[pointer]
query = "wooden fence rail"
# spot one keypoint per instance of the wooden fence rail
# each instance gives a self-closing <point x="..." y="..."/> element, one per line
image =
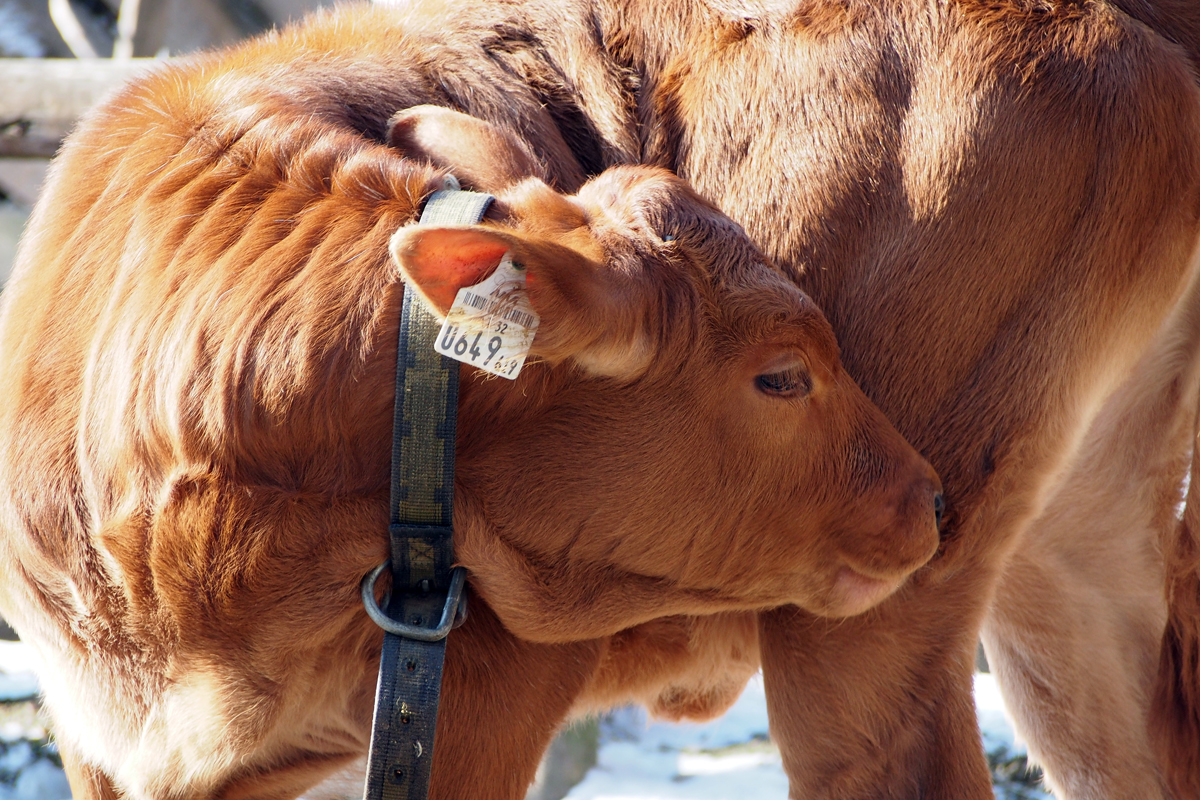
<point x="40" y="98"/>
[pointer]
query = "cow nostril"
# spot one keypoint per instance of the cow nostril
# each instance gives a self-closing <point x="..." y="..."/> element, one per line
<point x="939" y="508"/>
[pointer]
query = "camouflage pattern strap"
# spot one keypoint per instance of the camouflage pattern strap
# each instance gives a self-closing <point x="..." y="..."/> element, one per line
<point x="421" y="527"/>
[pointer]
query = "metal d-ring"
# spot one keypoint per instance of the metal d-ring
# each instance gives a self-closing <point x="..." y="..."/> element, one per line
<point x="450" y="612"/>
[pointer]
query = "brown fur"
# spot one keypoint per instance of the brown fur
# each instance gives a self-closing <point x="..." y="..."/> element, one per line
<point x="988" y="164"/>
<point x="1175" y="710"/>
<point x="200" y="339"/>
<point x="994" y="203"/>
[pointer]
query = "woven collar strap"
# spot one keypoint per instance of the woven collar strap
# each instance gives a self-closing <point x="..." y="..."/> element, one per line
<point x="425" y="591"/>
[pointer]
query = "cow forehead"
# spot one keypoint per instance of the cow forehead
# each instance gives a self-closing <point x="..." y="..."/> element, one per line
<point x="649" y="212"/>
<point x="657" y="203"/>
<point x="650" y="222"/>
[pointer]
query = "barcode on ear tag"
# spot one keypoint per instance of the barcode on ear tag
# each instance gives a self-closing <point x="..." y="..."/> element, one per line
<point x="491" y="325"/>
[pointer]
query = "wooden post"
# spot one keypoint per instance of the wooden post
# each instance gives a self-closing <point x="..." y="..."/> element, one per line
<point x="572" y="753"/>
<point x="43" y="97"/>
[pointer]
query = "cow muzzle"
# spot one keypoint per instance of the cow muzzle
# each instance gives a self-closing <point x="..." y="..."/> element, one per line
<point x="886" y="545"/>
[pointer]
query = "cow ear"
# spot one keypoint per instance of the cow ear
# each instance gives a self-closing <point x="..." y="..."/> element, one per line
<point x="483" y="156"/>
<point x="437" y="262"/>
<point x="589" y="313"/>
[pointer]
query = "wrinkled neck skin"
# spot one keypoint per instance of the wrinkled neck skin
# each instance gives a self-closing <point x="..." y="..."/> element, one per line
<point x="619" y="544"/>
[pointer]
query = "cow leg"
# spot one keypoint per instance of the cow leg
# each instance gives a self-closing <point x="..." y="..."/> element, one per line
<point x="878" y="705"/>
<point x="503" y="699"/>
<point x="1073" y="633"/>
<point x="87" y="782"/>
<point x="680" y="667"/>
<point x="1074" y="647"/>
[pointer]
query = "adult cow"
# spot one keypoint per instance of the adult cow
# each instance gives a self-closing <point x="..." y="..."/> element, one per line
<point x="996" y="205"/>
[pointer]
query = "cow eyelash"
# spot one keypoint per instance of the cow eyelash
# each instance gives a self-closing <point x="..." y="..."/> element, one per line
<point x="791" y="382"/>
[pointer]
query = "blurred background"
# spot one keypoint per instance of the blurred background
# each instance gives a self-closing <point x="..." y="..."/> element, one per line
<point x="60" y="57"/>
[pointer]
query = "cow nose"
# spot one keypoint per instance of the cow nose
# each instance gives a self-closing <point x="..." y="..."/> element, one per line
<point x="939" y="508"/>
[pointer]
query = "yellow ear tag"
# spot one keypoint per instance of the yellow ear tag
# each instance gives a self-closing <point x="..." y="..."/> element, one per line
<point x="491" y="325"/>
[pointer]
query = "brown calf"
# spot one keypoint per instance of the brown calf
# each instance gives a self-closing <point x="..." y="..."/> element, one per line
<point x="198" y="344"/>
<point x="995" y="202"/>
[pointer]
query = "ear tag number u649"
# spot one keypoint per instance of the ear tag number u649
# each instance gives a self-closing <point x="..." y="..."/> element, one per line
<point x="491" y="325"/>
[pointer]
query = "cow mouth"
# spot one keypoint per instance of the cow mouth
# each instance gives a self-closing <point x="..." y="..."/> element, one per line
<point x="854" y="592"/>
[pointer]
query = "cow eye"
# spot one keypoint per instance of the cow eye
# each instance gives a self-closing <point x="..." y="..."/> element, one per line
<point x="790" y="382"/>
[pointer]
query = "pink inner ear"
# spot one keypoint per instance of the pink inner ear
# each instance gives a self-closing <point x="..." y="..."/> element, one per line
<point x="440" y="261"/>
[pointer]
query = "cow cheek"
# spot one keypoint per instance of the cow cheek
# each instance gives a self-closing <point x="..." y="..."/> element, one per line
<point x="851" y="514"/>
<point x="888" y="528"/>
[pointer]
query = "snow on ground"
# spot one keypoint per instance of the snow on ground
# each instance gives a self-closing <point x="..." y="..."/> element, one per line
<point x="17" y="681"/>
<point x="993" y="719"/>
<point x="726" y="759"/>
<point x="731" y="757"/>
<point x="22" y="686"/>
<point x="29" y="767"/>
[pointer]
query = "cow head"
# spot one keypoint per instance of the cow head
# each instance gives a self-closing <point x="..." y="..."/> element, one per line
<point x="683" y="439"/>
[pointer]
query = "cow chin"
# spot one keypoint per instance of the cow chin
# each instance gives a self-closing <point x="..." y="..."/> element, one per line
<point x="853" y="592"/>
